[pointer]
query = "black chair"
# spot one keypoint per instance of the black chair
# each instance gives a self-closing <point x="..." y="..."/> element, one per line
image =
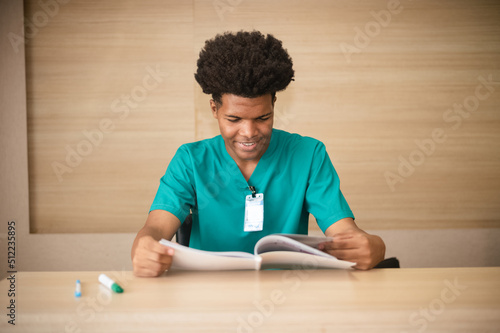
<point x="391" y="262"/>
<point x="184" y="232"/>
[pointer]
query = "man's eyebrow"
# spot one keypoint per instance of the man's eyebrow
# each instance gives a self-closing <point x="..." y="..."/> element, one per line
<point x="265" y="115"/>
<point x="236" y="117"/>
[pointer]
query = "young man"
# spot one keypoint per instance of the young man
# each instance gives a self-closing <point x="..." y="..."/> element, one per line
<point x="225" y="181"/>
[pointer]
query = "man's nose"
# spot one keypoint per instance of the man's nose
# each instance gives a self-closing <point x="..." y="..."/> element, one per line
<point x="248" y="129"/>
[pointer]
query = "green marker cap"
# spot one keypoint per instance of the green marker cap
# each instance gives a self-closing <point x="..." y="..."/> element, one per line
<point x="116" y="288"/>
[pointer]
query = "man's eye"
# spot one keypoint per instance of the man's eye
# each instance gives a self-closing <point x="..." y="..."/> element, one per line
<point x="233" y="120"/>
<point x="264" y="119"/>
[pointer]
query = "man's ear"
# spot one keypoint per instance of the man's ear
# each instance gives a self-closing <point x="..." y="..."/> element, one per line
<point x="213" y="107"/>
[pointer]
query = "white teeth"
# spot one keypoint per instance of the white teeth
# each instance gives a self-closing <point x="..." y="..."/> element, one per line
<point x="247" y="144"/>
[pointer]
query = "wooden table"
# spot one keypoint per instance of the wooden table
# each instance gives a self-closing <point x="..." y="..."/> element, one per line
<point x="383" y="300"/>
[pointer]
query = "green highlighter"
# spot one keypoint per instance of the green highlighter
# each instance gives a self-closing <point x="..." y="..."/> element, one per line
<point x="105" y="280"/>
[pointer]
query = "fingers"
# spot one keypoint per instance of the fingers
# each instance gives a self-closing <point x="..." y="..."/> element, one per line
<point x="151" y="271"/>
<point x="157" y="252"/>
<point x="349" y="246"/>
<point x="151" y="258"/>
<point x="340" y="241"/>
<point x="147" y="265"/>
<point x="343" y="250"/>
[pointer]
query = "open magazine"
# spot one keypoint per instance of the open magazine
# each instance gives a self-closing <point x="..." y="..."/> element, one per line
<point x="273" y="251"/>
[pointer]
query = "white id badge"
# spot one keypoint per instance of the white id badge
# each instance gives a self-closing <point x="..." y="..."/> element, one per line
<point x="254" y="212"/>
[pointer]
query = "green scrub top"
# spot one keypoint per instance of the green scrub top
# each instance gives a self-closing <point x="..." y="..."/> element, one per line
<point x="295" y="175"/>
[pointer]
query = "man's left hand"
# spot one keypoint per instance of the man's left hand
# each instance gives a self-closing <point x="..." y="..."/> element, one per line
<point x="357" y="246"/>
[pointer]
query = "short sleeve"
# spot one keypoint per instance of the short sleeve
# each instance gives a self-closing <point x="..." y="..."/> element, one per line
<point x="324" y="199"/>
<point x="176" y="192"/>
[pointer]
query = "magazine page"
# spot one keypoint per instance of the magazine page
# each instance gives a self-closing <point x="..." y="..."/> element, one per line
<point x="301" y="260"/>
<point x="186" y="258"/>
<point x="296" y="252"/>
<point x="312" y="241"/>
<point x="293" y="243"/>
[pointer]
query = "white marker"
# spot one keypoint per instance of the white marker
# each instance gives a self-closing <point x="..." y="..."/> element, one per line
<point x="110" y="283"/>
<point x="78" y="289"/>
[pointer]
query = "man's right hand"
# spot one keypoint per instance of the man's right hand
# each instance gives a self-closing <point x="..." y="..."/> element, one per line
<point x="150" y="258"/>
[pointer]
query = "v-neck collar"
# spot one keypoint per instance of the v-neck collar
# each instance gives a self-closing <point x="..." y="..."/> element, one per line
<point x="263" y="164"/>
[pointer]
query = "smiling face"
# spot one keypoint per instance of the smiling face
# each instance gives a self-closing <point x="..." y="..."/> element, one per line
<point x="246" y="126"/>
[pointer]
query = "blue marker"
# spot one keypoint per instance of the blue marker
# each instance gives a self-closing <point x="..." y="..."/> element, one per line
<point x="78" y="290"/>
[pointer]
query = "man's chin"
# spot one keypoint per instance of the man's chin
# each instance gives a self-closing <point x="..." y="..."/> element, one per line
<point x="248" y="156"/>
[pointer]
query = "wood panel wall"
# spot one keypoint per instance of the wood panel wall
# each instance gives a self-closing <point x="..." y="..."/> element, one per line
<point x="405" y="95"/>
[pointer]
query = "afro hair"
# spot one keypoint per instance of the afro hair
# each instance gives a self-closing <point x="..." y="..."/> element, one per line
<point x="246" y="64"/>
